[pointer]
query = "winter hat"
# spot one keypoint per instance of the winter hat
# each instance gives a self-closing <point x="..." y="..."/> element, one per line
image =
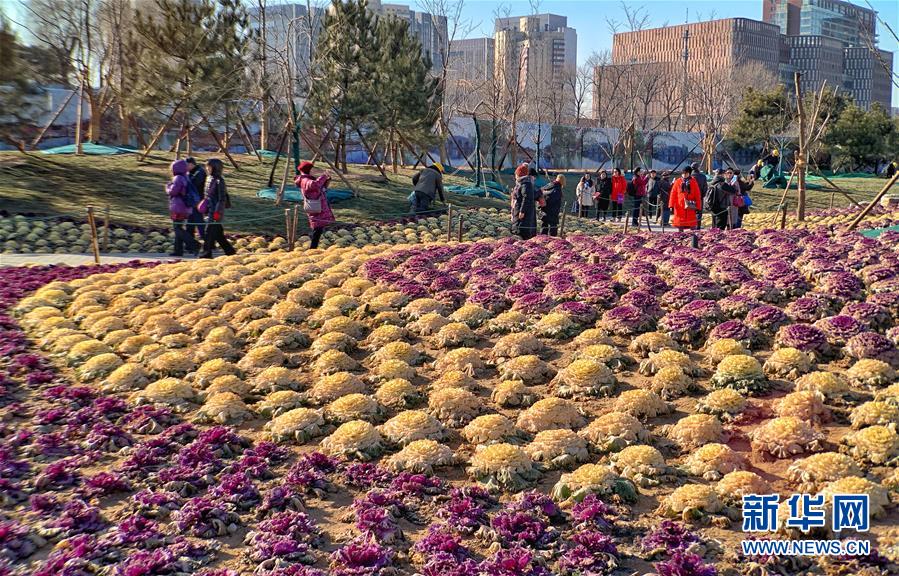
<point x="438" y="166"/>
<point x="305" y="167"/>
<point x="522" y="170"/>
<point x="179" y="167"/>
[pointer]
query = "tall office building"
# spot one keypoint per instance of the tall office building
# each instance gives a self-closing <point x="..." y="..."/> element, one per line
<point x="835" y="40"/>
<point x="430" y="30"/>
<point x="534" y="55"/>
<point x="700" y="51"/>
<point x="472" y="59"/>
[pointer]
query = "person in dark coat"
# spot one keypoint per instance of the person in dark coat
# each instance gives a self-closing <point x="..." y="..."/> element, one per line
<point x="603" y="194"/>
<point x="551" y="206"/>
<point x="703" y="184"/>
<point x="652" y="194"/>
<point x="524" y="204"/>
<point x="428" y="185"/>
<point x="664" y="193"/>
<point x="720" y="202"/>
<point x="216" y="201"/>
<point x="891" y="170"/>
<point x="197" y="176"/>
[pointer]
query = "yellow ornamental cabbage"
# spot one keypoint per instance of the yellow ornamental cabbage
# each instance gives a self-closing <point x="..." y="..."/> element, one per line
<point x="355" y="439"/>
<point x="502" y="467"/>
<point x="613" y="431"/>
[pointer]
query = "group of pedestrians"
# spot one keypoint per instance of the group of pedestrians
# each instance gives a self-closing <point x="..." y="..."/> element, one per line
<point x="198" y="198"/>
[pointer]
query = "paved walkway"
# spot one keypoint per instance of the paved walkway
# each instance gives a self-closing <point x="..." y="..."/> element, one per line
<point x="76" y="259"/>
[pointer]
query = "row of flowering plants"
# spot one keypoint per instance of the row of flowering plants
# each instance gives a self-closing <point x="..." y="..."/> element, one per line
<point x="496" y="407"/>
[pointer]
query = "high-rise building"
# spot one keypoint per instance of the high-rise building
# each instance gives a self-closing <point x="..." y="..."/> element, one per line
<point x="534" y="57"/>
<point x="471" y="59"/>
<point x="698" y="53"/>
<point x="431" y="30"/>
<point x="834" y="40"/>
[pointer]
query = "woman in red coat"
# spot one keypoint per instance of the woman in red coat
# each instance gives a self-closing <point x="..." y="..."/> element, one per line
<point x="619" y="189"/>
<point x="315" y="189"/>
<point x="685" y="200"/>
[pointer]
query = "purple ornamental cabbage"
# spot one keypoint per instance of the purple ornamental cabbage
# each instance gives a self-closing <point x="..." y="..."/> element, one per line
<point x="237" y="489"/>
<point x="707" y="310"/>
<point x="204" y="518"/>
<point x="533" y="303"/>
<point x="876" y="318"/>
<point x="524" y="529"/>
<point x="842" y="285"/>
<point x="360" y="557"/>
<point x="593" y="512"/>
<point x="493" y="301"/>
<point x="588" y="553"/>
<point x="872" y="345"/>
<point x="379" y="524"/>
<point x="77" y="517"/>
<point x="643" y="300"/>
<point x="561" y="290"/>
<point x="766" y="318"/>
<point x="581" y="312"/>
<point x="685" y="564"/>
<point x="889" y="299"/>
<point x="806" y="310"/>
<point x="440" y="540"/>
<point x="626" y="320"/>
<point x="463" y="514"/>
<point x="106" y="483"/>
<point x="838" y="329"/>
<point x="681" y="326"/>
<point x="737" y="305"/>
<point x="803" y="337"/>
<point x="667" y="537"/>
<point x="515" y="561"/>
<point x="365" y="475"/>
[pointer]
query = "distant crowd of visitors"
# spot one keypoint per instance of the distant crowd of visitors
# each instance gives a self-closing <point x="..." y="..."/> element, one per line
<point x="651" y="195"/>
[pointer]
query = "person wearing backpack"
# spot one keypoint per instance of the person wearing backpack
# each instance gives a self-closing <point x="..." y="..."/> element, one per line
<point x="703" y="183"/>
<point x="602" y="194"/>
<point x="524" y="203"/>
<point x="315" y="200"/>
<point x="719" y="200"/>
<point x="215" y="201"/>
<point x="179" y="210"/>
<point x="196" y="178"/>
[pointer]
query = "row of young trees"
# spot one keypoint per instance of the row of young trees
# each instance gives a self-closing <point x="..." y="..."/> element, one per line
<point x="852" y="139"/>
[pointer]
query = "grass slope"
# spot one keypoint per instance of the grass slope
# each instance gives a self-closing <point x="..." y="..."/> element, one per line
<point x="66" y="185"/>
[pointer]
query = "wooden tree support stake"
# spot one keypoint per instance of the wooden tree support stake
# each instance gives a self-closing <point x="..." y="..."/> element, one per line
<point x="159" y="132"/>
<point x="783" y="197"/>
<point x="215" y="136"/>
<point x="564" y="217"/>
<point x="95" y="245"/>
<point x="461" y="224"/>
<point x="287" y="224"/>
<point x="783" y="216"/>
<point x="56" y="114"/>
<point x="874" y="202"/>
<point x="106" y="229"/>
<point x="449" y="222"/>
<point x="296" y="221"/>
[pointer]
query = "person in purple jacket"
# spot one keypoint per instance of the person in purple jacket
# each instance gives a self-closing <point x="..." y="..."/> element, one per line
<point x="316" y="190"/>
<point x="179" y="210"/>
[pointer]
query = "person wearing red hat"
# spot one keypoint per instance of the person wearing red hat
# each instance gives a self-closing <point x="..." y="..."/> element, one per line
<point x="315" y="200"/>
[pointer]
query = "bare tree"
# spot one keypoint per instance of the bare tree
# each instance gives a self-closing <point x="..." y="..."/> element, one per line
<point x="635" y="18"/>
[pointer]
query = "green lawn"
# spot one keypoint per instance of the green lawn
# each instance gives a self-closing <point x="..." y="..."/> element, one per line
<point x="66" y="185"/>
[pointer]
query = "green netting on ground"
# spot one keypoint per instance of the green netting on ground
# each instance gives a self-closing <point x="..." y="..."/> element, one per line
<point x="838" y="176"/>
<point x="488" y="191"/>
<point x="292" y="194"/>
<point x="91" y="149"/>
<point x="267" y="153"/>
<point x="878" y="231"/>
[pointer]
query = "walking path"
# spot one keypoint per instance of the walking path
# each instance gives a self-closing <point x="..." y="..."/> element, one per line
<point x="77" y="259"/>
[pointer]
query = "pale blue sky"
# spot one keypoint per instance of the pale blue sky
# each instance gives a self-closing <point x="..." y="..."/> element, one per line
<point x="588" y="17"/>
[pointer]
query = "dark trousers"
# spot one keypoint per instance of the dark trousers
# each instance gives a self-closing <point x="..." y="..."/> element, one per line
<point x="635" y="211"/>
<point x="215" y="234"/>
<point x="196" y="225"/>
<point x="616" y="210"/>
<point x="183" y="238"/>
<point x="719" y="220"/>
<point x="550" y="226"/>
<point x="316" y="236"/>
<point x="666" y="215"/>
<point x="650" y="207"/>
<point x="585" y="211"/>
<point x="699" y="219"/>
<point x="422" y="204"/>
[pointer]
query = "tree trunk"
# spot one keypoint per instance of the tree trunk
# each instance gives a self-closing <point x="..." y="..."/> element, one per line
<point x="343" y="150"/>
<point x="79" y="147"/>
<point x="124" y="128"/>
<point x="190" y="143"/>
<point x="801" y="153"/>
<point x="441" y="147"/>
<point x="93" y="130"/>
<point x="263" y="125"/>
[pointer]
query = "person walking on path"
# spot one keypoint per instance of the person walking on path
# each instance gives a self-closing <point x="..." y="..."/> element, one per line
<point x="619" y="189"/>
<point x="638" y="181"/>
<point x="664" y="194"/>
<point x="703" y="184"/>
<point x="215" y="201"/>
<point x="179" y="209"/>
<point x="652" y="194"/>
<point x="315" y="200"/>
<point x="428" y="185"/>
<point x="685" y="200"/>
<point x="196" y="176"/>
<point x="603" y="194"/>
<point x="524" y="204"/>
<point x="551" y="206"/>
<point x="585" y="189"/>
